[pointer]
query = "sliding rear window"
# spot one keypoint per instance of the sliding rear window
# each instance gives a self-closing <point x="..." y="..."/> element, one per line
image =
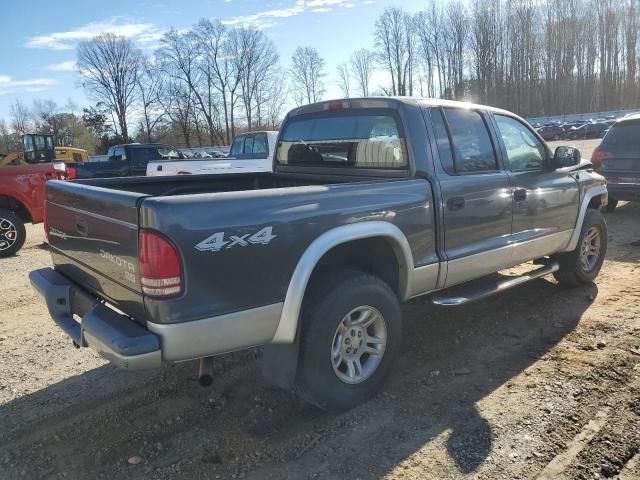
<point x="370" y="139"/>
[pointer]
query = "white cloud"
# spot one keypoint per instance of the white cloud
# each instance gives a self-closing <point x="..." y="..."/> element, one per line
<point x="267" y="18"/>
<point x="68" y="66"/>
<point x="8" y="84"/>
<point x="141" y="32"/>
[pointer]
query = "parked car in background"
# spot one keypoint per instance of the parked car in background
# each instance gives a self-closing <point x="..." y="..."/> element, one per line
<point x="124" y="161"/>
<point x="372" y="202"/>
<point x="588" y="130"/>
<point x="617" y="158"/>
<point x="552" y="132"/>
<point x="250" y="152"/>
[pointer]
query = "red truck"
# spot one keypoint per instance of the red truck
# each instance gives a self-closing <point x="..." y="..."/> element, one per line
<point x="22" y="195"/>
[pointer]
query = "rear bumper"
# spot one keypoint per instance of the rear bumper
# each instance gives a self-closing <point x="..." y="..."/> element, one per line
<point x="114" y="336"/>
<point x="629" y="192"/>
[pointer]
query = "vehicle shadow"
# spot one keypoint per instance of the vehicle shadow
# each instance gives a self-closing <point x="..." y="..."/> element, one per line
<point x="90" y="424"/>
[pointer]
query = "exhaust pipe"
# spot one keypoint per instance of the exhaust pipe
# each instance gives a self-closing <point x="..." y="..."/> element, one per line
<point x="205" y="371"/>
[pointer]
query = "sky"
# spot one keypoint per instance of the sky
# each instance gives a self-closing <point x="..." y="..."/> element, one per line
<point x="38" y="39"/>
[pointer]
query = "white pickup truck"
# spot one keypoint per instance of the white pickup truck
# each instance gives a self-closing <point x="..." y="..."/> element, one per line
<point x="250" y="152"/>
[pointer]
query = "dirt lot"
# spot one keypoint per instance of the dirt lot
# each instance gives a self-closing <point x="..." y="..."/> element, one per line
<point x="540" y="382"/>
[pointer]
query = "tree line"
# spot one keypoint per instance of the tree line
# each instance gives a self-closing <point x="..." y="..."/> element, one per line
<point x="203" y="84"/>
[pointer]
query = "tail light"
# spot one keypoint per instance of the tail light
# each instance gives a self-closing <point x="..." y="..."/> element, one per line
<point x="598" y="156"/>
<point x="71" y="172"/>
<point x="159" y="265"/>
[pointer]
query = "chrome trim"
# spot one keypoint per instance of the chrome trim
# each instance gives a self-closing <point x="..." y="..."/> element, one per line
<point x="97" y="215"/>
<point x="496" y="288"/>
<point x="215" y="335"/>
<point x="572" y="244"/>
<point x="480" y="264"/>
<point x="286" y="331"/>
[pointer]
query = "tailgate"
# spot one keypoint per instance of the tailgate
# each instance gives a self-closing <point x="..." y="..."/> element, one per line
<point x="93" y="234"/>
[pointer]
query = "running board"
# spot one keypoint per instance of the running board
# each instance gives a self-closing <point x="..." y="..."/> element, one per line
<point x="485" y="287"/>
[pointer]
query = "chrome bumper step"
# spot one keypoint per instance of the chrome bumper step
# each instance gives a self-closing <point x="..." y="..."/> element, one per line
<point x="487" y="286"/>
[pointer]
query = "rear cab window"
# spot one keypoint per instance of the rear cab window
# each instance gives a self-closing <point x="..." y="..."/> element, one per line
<point x="355" y="138"/>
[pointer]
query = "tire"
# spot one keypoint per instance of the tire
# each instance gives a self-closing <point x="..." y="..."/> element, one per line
<point x="611" y="206"/>
<point x="336" y="299"/>
<point x="12" y="233"/>
<point x="576" y="268"/>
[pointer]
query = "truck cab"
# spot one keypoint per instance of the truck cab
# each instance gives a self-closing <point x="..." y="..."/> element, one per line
<point x="127" y="160"/>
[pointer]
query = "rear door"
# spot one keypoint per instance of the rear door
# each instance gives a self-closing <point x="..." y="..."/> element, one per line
<point x="476" y="195"/>
<point x="545" y="200"/>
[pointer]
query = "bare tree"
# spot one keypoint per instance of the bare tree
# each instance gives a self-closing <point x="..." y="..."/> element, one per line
<point x="110" y="65"/>
<point x="307" y="72"/>
<point x="20" y="116"/>
<point x="394" y="38"/>
<point x="254" y="57"/>
<point x="363" y="65"/>
<point x="344" y="79"/>
<point x="151" y="86"/>
<point x="179" y="56"/>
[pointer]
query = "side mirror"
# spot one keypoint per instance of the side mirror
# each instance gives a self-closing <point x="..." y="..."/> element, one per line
<point x="566" y="157"/>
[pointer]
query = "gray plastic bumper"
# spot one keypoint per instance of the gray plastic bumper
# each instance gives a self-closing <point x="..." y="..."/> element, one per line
<point x="115" y="337"/>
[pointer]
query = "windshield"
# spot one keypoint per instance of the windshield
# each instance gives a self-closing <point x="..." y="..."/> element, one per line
<point x="361" y="139"/>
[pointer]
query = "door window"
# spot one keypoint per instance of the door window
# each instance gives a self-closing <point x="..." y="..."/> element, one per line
<point x="524" y="150"/>
<point x="472" y="147"/>
<point x="260" y="147"/>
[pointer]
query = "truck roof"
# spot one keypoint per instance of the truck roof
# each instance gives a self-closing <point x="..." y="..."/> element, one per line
<point x="391" y="102"/>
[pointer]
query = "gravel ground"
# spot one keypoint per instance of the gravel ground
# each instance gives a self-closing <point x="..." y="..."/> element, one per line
<point x="540" y="382"/>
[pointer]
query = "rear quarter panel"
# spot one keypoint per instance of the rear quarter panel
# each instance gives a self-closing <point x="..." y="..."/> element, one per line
<point x="244" y="275"/>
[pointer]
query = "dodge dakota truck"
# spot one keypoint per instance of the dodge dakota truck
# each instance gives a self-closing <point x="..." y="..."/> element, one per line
<point x="372" y="202"/>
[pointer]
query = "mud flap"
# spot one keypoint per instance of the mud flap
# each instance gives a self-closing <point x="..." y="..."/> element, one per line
<point x="280" y="363"/>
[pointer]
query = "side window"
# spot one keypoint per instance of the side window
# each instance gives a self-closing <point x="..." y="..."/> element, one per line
<point x="472" y="147"/>
<point x="442" y="140"/>
<point x="117" y="154"/>
<point x="260" y="147"/>
<point x="237" y="147"/>
<point x="248" y="145"/>
<point x="524" y="150"/>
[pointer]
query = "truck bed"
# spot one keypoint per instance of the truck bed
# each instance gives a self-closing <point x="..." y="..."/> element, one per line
<point x="94" y="227"/>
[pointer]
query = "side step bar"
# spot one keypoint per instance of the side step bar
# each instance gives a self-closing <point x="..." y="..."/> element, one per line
<point x="485" y="287"/>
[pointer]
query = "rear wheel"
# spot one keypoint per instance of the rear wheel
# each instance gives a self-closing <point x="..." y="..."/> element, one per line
<point x="351" y="335"/>
<point x="12" y="233"/>
<point x="611" y="205"/>
<point x="583" y="264"/>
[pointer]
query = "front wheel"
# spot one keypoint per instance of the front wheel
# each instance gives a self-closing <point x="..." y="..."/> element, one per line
<point x="583" y="264"/>
<point x="351" y="336"/>
<point x="12" y="233"/>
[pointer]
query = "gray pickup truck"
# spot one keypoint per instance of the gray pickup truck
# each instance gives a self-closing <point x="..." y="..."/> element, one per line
<point x="372" y="202"/>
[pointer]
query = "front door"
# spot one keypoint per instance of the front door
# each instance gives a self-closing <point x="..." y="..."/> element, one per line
<point x="476" y="195"/>
<point x="545" y="200"/>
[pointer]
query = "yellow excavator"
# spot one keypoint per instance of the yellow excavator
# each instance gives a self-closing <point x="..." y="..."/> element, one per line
<point x="36" y="145"/>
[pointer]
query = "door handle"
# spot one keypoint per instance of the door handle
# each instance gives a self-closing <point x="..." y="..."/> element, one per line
<point x="520" y="195"/>
<point x="455" y="203"/>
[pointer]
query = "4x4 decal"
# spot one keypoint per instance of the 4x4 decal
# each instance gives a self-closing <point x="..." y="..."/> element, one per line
<point x="218" y="241"/>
